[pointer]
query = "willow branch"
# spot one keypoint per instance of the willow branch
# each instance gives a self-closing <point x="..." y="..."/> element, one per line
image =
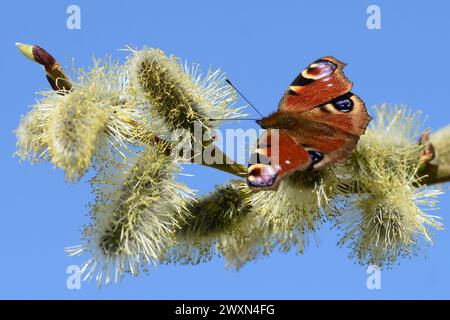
<point x="435" y="162"/>
<point x="60" y="82"/>
<point x="227" y="165"/>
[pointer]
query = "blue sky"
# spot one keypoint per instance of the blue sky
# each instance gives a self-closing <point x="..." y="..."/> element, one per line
<point x="262" y="46"/>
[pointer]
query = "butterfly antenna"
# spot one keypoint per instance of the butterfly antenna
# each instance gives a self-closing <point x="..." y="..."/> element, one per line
<point x="229" y="82"/>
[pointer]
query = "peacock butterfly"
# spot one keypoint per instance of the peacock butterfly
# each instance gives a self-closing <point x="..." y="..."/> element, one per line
<point x="319" y="122"/>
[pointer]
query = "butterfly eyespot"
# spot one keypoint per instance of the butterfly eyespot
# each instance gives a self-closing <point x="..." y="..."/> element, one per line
<point x="316" y="156"/>
<point x="260" y="175"/>
<point x="318" y="70"/>
<point x="344" y="104"/>
<point x="315" y="71"/>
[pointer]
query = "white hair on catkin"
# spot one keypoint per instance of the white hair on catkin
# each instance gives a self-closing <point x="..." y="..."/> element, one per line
<point x="386" y="217"/>
<point x="180" y="95"/>
<point x="139" y="207"/>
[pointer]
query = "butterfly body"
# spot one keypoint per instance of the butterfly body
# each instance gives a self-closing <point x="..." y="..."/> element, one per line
<point x="279" y="120"/>
<point x="318" y="122"/>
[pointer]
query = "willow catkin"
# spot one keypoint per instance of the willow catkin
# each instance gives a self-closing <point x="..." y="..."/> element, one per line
<point x="139" y="207"/>
<point x="385" y="218"/>
<point x="181" y="96"/>
<point x="299" y="206"/>
<point x="70" y="129"/>
<point x="210" y="218"/>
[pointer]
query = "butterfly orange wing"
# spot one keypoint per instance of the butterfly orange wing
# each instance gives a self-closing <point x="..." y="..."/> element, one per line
<point x="320" y="82"/>
<point x="278" y="155"/>
<point x="318" y="116"/>
<point x="332" y="130"/>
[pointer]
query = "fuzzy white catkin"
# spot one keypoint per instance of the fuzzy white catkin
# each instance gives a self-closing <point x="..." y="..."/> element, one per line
<point x="180" y="95"/>
<point x="387" y="218"/>
<point x="70" y="130"/>
<point x="300" y="205"/>
<point x="139" y="206"/>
